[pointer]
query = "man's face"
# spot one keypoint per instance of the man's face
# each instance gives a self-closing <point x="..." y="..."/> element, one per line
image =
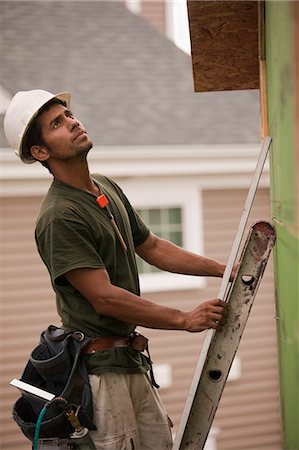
<point x="63" y="135"/>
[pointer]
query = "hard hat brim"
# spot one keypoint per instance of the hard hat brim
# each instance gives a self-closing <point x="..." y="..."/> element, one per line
<point x="23" y="154"/>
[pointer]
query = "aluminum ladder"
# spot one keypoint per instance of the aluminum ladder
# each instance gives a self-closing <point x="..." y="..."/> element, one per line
<point x="220" y="347"/>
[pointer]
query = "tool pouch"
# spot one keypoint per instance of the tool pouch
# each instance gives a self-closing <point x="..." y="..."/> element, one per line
<point x="139" y="342"/>
<point x="55" y="366"/>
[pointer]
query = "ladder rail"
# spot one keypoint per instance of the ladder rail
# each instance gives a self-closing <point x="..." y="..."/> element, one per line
<point x="244" y="216"/>
<point x="224" y="345"/>
<point x="223" y="290"/>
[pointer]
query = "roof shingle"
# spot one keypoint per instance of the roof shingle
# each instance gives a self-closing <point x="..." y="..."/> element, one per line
<point x="130" y="85"/>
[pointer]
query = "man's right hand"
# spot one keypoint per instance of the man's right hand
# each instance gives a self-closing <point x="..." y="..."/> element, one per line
<point x="209" y="314"/>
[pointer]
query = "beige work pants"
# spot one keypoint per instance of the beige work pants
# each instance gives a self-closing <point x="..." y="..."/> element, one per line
<point x="128" y="413"/>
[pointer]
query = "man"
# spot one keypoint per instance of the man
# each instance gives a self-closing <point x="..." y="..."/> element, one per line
<point x="87" y="234"/>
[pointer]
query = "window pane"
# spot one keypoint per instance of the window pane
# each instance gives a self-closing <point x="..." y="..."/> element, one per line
<point x="154" y="216"/>
<point x="176" y="237"/>
<point x="165" y="223"/>
<point x="175" y="215"/>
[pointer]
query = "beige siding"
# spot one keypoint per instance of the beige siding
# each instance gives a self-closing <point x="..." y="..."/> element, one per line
<point x="27" y="305"/>
<point x="248" y="416"/>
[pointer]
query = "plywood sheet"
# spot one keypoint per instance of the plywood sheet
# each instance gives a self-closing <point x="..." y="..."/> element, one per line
<point x="224" y="44"/>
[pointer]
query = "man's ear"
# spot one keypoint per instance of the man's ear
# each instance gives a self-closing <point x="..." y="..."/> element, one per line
<point x="39" y="152"/>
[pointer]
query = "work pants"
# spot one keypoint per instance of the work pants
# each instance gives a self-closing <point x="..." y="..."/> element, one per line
<point x="128" y="413"/>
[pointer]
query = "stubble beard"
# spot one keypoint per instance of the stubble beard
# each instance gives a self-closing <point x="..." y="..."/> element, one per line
<point x="85" y="148"/>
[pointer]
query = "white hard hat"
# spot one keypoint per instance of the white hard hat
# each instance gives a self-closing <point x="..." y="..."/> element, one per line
<point x="22" y="110"/>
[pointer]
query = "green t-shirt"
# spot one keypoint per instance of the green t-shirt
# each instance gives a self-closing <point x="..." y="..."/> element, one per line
<point x="72" y="232"/>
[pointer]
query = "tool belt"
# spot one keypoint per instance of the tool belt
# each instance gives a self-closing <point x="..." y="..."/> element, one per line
<point x="134" y="340"/>
<point x="55" y="365"/>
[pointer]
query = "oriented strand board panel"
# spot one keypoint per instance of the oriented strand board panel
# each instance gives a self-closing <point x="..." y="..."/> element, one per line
<point x="224" y="44"/>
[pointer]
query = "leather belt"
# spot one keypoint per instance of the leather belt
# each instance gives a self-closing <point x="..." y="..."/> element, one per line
<point x="135" y="340"/>
<point x="106" y="343"/>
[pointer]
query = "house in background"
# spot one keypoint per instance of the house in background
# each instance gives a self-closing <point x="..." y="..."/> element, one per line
<point x="184" y="160"/>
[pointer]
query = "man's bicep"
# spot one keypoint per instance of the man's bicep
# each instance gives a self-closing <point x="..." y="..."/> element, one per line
<point x="93" y="284"/>
<point x="147" y="249"/>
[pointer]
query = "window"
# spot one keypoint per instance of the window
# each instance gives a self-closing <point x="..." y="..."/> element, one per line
<point x="165" y="223"/>
<point x="172" y="210"/>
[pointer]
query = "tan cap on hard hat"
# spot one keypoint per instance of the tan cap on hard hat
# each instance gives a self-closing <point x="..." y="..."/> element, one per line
<point x="20" y="114"/>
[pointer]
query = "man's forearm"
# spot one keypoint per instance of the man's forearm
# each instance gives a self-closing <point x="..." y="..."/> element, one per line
<point x="113" y="301"/>
<point x="123" y="305"/>
<point x="169" y="257"/>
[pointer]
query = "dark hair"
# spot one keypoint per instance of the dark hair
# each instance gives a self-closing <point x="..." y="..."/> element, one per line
<point x="34" y="133"/>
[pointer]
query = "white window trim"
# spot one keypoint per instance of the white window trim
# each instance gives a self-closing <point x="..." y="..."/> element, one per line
<point x="161" y="193"/>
